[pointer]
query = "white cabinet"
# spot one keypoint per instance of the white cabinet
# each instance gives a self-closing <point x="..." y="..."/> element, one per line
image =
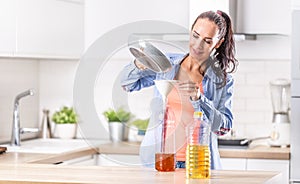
<point x="264" y="17"/>
<point x="245" y="164"/>
<point x="118" y="160"/>
<point x="89" y="160"/>
<point x="41" y="28"/>
<point x="270" y="165"/>
<point x="250" y="16"/>
<point x="295" y="62"/>
<point x="7" y="27"/>
<point x="233" y="163"/>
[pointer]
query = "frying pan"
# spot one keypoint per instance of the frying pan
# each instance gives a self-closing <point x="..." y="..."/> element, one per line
<point x="151" y="57"/>
<point x="239" y="141"/>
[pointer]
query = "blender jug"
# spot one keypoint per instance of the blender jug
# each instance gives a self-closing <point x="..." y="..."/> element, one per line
<point x="280" y="95"/>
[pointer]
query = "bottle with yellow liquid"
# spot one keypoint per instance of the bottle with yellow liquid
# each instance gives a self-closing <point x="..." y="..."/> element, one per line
<point x="197" y="151"/>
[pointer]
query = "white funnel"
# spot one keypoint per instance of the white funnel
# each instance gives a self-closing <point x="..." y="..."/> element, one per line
<point x="165" y="86"/>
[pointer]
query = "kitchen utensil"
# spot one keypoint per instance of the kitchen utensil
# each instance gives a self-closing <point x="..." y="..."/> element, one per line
<point x="151" y="57"/>
<point x="239" y="141"/>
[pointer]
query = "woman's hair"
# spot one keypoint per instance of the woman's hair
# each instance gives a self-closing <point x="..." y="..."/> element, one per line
<point x="225" y="54"/>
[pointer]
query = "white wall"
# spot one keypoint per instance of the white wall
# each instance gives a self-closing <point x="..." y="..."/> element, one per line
<point x="56" y="79"/>
<point x="261" y="61"/>
<point x="16" y="76"/>
<point x="102" y="16"/>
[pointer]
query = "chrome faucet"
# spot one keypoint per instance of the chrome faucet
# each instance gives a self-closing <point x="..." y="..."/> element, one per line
<point x="16" y="130"/>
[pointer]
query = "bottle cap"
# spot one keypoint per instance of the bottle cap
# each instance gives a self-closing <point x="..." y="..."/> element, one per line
<point x="198" y="114"/>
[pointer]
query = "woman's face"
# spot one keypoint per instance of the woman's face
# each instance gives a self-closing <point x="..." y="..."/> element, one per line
<point x="203" y="39"/>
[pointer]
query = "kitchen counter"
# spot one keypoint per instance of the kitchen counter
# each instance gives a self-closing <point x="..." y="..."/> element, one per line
<point x="254" y="152"/>
<point x="32" y="158"/>
<point x="44" y="168"/>
<point x="45" y="173"/>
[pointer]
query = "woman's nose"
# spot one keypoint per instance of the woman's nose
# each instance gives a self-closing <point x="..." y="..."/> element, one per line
<point x="199" y="43"/>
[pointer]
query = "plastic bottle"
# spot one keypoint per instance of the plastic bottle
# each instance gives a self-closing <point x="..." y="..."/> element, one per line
<point x="197" y="151"/>
<point x="165" y="142"/>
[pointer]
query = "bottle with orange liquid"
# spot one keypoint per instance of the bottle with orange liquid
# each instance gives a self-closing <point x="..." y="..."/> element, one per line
<point x="197" y="151"/>
<point x="165" y="142"/>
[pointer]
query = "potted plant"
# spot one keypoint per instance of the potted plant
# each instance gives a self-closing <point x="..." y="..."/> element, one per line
<point x="141" y="125"/>
<point x="117" y="120"/>
<point x="65" y="123"/>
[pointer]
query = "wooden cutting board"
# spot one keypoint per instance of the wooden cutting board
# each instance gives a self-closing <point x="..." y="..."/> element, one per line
<point x="2" y="149"/>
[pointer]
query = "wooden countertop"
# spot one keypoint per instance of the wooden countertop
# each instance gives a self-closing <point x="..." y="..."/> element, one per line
<point x="41" y="168"/>
<point x="254" y="152"/>
<point x="31" y="158"/>
<point x="45" y="173"/>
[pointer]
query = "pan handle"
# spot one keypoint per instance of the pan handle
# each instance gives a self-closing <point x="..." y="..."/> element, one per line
<point x="243" y="142"/>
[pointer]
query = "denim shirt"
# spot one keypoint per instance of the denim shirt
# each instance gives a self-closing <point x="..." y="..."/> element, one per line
<point x="216" y="103"/>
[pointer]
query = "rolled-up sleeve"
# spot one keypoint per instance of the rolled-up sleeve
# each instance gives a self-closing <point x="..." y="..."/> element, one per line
<point x="134" y="79"/>
<point x="221" y="116"/>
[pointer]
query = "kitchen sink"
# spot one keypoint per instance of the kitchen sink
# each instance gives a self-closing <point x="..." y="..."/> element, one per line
<point x="48" y="146"/>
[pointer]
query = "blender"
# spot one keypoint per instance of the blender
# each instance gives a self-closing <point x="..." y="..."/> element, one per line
<point x="280" y="95"/>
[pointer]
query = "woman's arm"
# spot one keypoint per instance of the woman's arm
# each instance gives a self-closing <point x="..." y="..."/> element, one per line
<point x="134" y="79"/>
<point x="221" y="116"/>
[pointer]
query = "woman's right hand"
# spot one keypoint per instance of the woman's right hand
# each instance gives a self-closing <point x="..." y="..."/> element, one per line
<point x="190" y="88"/>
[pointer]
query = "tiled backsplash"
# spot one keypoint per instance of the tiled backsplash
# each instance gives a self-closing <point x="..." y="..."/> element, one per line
<point x="261" y="61"/>
<point x="252" y="100"/>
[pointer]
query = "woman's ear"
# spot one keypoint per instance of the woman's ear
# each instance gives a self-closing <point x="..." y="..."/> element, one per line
<point x="219" y="43"/>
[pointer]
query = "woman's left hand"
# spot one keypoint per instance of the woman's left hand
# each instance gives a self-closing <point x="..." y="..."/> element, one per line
<point x="189" y="88"/>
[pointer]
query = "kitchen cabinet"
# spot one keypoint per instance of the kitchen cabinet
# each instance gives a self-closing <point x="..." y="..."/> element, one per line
<point x="118" y="160"/>
<point x="89" y="160"/>
<point x="42" y="29"/>
<point x="250" y="16"/>
<point x="264" y="17"/>
<point x="295" y="4"/>
<point x="7" y="27"/>
<point x="295" y="62"/>
<point x="234" y="163"/>
<point x="270" y="165"/>
<point x="258" y="165"/>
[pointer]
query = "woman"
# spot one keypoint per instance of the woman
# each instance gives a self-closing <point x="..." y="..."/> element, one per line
<point x="204" y="84"/>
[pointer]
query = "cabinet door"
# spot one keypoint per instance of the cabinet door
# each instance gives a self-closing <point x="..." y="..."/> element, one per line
<point x="271" y="165"/>
<point x="295" y="136"/>
<point x="118" y="160"/>
<point x="250" y="16"/>
<point x="89" y="160"/>
<point x="7" y="27"/>
<point x="49" y="28"/>
<point x="264" y="17"/>
<point x="233" y="163"/>
<point x="295" y="62"/>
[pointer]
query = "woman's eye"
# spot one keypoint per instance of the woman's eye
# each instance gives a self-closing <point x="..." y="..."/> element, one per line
<point x="208" y="41"/>
<point x="195" y="35"/>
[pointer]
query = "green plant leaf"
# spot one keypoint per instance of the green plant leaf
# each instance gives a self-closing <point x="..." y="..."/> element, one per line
<point x="66" y="115"/>
<point x="119" y="115"/>
<point x="141" y="124"/>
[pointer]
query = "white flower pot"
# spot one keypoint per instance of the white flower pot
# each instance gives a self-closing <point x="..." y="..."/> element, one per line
<point x="65" y="131"/>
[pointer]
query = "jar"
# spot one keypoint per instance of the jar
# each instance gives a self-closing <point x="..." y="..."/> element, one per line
<point x="165" y="142"/>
